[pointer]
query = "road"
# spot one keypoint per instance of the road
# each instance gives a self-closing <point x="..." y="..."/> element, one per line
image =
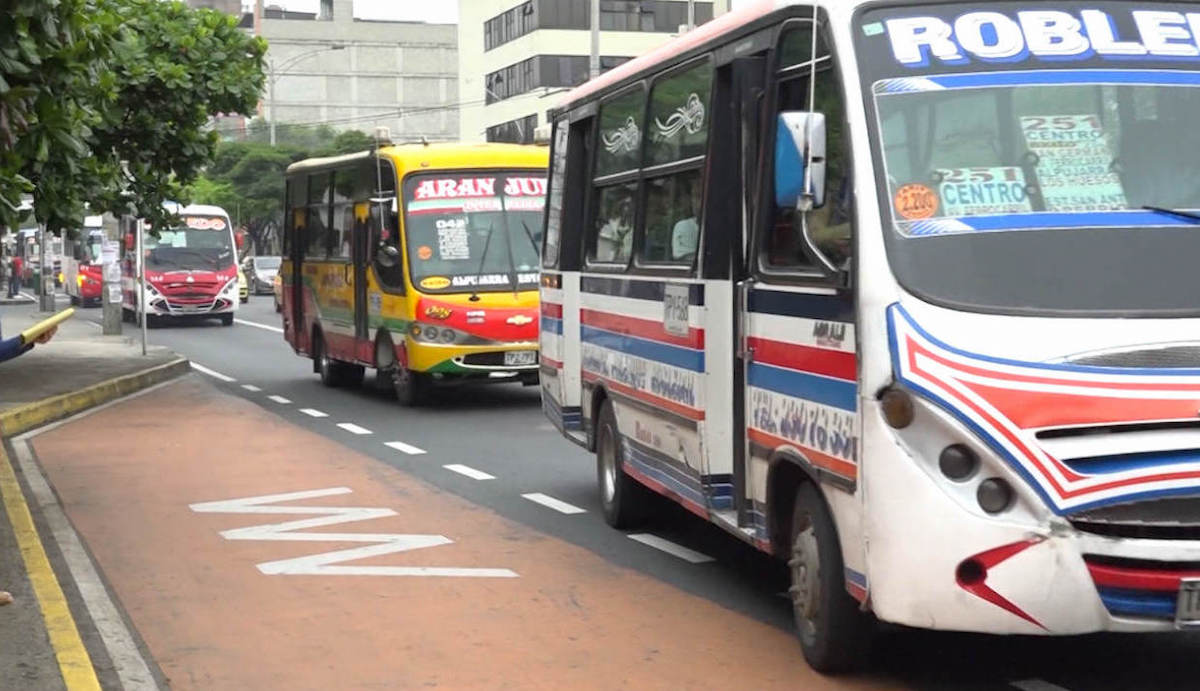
<point x="491" y="447"/>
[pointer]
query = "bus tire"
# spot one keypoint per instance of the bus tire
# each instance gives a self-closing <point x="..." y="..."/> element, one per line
<point x="412" y="388"/>
<point x="622" y="498"/>
<point x="834" y="633"/>
<point x="227" y="319"/>
<point x="330" y="371"/>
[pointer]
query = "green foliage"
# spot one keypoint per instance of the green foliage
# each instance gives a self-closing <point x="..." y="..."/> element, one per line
<point x="88" y="84"/>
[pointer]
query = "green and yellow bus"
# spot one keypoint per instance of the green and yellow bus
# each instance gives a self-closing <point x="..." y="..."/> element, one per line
<point x="418" y="260"/>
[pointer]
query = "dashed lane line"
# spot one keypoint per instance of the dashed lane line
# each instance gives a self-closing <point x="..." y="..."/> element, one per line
<point x="279" y="399"/>
<point x="265" y="327"/>
<point x="313" y="412"/>
<point x="469" y="471"/>
<point x="404" y="448"/>
<point x="251" y="387"/>
<point x="353" y="428"/>
<point x="212" y="373"/>
<point x="670" y="548"/>
<point x="550" y="502"/>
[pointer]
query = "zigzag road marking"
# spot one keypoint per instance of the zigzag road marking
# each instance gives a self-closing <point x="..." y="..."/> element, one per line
<point x="332" y="563"/>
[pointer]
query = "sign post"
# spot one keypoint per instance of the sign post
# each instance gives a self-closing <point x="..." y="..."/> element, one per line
<point x="110" y="291"/>
<point x="140" y="290"/>
<point x="45" y="272"/>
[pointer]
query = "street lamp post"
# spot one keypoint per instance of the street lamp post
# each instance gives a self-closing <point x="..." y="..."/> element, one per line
<point x="273" y="74"/>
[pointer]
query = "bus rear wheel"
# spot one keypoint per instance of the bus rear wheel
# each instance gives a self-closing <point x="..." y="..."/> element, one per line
<point x="834" y="634"/>
<point x="622" y="498"/>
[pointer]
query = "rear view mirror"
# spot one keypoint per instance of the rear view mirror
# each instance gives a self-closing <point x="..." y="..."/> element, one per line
<point x="387" y="256"/>
<point x="800" y="138"/>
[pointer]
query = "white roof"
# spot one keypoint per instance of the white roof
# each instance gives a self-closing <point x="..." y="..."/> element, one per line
<point x="195" y="209"/>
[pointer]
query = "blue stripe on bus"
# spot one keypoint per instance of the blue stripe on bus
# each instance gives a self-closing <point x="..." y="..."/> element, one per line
<point x="552" y="325"/>
<point x="823" y="390"/>
<point x="838" y="308"/>
<point x="684" y="358"/>
<point x="638" y="290"/>
<point x="1052" y="77"/>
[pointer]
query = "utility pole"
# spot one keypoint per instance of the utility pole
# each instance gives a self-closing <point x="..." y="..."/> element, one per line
<point x="110" y="289"/>
<point x="594" y="63"/>
<point x="141" y="280"/>
<point x="691" y="17"/>
<point x="45" y="272"/>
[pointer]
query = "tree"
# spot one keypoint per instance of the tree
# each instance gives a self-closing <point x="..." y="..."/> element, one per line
<point x="107" y="102"/>
<point x="247" y="180"/>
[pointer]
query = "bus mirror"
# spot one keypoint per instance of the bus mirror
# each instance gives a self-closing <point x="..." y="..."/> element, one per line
<point x="387" y="256"/>
<point x="799" y="138"/>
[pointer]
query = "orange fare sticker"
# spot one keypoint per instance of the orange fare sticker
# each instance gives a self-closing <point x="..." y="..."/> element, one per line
<point x="425" y="252"/>
<point x="914" y="202"/>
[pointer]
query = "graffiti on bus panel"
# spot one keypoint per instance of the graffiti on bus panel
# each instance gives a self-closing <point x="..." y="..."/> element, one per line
<point x="807" y="424"/>
<point x="662" y="381"/>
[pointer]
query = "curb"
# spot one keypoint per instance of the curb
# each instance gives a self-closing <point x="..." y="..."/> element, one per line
<point x="24" y="418"/>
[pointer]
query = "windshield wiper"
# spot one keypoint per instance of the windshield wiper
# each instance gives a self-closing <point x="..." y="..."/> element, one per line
<point x="487" y="241"/>
<point x="529" y="234"/>
<point x="1174" y="212"/>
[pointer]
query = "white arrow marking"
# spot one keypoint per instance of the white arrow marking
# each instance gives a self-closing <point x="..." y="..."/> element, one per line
<point x="331" y="563"/>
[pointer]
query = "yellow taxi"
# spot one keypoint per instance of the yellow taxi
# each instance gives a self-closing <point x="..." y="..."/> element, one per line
<point x="243" y="287"/>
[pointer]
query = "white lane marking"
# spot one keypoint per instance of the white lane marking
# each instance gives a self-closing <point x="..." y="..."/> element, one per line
<point x="333" y="563"/>
<point x="1035" y="685"/>
<point x="256" y="325"/>
<point x="405" y="448"/>
<point x="127" y="660"/>
<point x="313" y="412"/>
<point x="670" y="547"/>
<point x="468" y="471"/>
<point x="250" y="387"/>
<point x="550" y="502"/>
<point x="353" y="428"/>
<point x="98" y="325"/>
<point x="212" y="373"/>
<point x="280" y="399"/>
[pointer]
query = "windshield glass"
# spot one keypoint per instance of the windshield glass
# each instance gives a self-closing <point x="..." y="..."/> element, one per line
<point x="474" y="232"/>
<point x="92" y="246"/>
<point x="200" y="243"/>
<point x="1021" y="154"/>
<point x="267" y="263"/>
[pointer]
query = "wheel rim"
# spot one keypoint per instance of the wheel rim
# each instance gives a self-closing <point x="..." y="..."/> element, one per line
<point x="805" y="566"/>
<point x="608" y="466"/>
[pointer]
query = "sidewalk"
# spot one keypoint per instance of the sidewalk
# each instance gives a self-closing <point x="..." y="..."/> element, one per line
<point x="46" y="639"/>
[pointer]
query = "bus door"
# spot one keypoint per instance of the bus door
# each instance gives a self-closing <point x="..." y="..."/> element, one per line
<point x="798" y="335"/>
<point x="361" y="258"/>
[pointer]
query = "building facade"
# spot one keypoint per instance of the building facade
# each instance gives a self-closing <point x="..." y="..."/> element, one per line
<point x="516" y="56"/>
<point x="331" y="68"/>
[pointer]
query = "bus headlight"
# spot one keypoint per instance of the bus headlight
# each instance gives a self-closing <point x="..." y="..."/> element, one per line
<point x="957" y="460"/>
<point x="443" y="335"/>
<point x="230" y="287"/>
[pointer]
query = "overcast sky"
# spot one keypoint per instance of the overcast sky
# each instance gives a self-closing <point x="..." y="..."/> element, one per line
<point x="412" y="10"/>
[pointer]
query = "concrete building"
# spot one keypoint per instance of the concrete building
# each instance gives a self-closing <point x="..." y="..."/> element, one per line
<point x="233" y="7"/>
<point x="354" y="74"/>
<point x="516" y="56"/>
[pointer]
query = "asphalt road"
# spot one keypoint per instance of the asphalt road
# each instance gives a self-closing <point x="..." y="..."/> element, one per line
<point x="499" y="431"/>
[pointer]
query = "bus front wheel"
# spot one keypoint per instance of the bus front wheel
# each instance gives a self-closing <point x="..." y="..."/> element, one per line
<point x="834" y="634"/>
<point x="622" y="498"/>
<point x="411" y="387"/>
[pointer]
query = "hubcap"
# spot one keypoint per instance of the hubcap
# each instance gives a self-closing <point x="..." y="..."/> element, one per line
<point x="805" y="566"/>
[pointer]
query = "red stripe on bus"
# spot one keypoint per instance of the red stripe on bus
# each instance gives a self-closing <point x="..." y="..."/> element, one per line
<point x="641" y="328"/>
<point x="1139" y="579"/>
<point x="822" y="361"/>
<point x="552" y="310"/>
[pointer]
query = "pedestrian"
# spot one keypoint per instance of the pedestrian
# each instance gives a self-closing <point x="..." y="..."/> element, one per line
<point x="14" y="276"/>
<point x="12" y="347"/>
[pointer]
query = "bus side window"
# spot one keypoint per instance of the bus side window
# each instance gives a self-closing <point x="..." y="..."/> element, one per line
<point x="340" y="233"/>
<point x="614" y="184"/>
<point x="378" y="179"/>
<point x="552" y="232"/>
<point x="318" y="216"/>
<point x="829" y="224"/>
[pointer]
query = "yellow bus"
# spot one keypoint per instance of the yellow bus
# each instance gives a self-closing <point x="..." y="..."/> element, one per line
<point x="418" y="260"/>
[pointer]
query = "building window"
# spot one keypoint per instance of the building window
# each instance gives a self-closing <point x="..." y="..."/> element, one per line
<point x="542" y="71"/>
<point x="659" y="16"/>
<point x="519" y="131"/>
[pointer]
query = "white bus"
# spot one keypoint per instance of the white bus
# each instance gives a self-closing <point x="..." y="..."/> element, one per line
<point x="913" y="306"/>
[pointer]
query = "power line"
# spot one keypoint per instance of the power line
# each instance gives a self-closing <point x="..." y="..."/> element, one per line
<point x="393" y="112"/>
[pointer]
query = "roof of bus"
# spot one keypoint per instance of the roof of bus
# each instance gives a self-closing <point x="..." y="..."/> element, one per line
<point x="726" y="23"/>
<point x="197" y="209"/>
<point x="442" y="156"/>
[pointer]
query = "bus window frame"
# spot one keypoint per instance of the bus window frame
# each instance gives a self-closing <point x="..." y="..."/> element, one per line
<point x="670" y="168"/>
<point x="611" y="180"/>
<point x="401" y="213"/>
<point x="760" y="269"/>
<point x="561" y="121"/>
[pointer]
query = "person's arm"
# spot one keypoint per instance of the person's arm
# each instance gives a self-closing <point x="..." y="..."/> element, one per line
<point x="12" y="347"/>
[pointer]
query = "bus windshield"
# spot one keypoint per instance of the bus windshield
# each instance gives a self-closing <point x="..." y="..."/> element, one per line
<point x="474" y="231"/>
<point x="200" y="243"/>
<point x="1033" y="185"/>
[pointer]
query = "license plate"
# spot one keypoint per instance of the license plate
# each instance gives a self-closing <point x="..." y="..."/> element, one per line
<point x="1187" y="607"/>
<point x="520" y="357"/>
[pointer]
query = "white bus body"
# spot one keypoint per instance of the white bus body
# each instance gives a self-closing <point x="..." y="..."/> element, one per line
<point x="933" y="341"/>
